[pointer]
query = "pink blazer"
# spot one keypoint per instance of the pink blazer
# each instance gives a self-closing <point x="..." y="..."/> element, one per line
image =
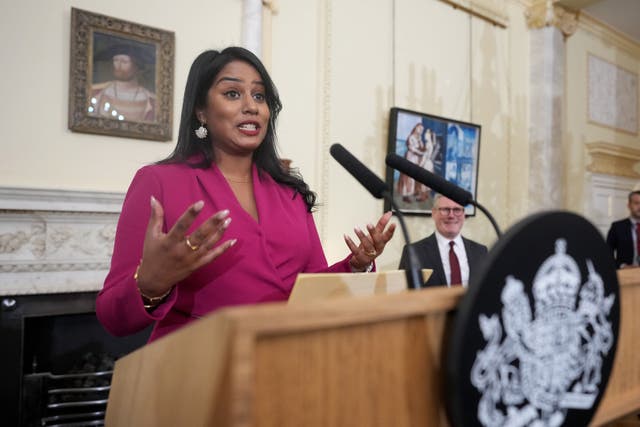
<point x="261" y="266"/>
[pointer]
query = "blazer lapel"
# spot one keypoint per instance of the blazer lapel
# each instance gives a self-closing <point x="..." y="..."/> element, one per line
<point x="431" y="250"/>
<point x="470" y="255"/>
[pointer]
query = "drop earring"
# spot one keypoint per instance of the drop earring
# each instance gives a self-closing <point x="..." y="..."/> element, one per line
<point x="201" y="132"/>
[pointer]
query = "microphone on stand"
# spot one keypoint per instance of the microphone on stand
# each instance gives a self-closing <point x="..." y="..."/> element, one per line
<point x="379" y="190"/>
<point x="438" y="184"/>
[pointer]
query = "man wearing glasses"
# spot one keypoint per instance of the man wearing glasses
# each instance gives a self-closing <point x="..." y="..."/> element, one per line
<point x="452" y="257"/>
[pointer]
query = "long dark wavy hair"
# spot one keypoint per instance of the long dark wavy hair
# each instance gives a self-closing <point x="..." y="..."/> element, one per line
<point x="202" y="74"/>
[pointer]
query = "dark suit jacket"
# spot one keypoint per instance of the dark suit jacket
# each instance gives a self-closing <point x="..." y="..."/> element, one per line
<point x="620" y="240"/>
<point x="429" y="257"/>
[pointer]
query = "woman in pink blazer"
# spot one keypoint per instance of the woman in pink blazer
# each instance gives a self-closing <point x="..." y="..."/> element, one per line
<point x="220" y="222"/>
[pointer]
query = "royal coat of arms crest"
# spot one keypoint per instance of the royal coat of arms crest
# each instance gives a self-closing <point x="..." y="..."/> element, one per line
<point x="545" y="358"/>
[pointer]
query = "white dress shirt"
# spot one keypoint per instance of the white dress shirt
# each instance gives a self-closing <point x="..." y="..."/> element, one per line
<point x="461" y="253"/>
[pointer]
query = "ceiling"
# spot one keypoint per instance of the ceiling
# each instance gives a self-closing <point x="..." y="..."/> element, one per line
<point x="623" y="15"/>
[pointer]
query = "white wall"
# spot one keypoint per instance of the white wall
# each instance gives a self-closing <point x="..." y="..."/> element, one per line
<point x="340" y="70"/>
<point x="37" y="148"/>
<point x="340" y="65"/>
<point x="617" y="51"/>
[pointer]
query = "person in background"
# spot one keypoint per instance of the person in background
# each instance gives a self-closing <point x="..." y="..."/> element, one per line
<point x="453" y="258"/>
<point x="124" y="97"/>
<point x="220" y="222"/>
<point x="622" y="237"/>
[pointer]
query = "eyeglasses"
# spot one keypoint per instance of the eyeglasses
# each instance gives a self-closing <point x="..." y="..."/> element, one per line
<point x="447" y="211"/>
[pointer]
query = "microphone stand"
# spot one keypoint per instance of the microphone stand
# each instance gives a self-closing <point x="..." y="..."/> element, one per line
<point x="486" y="212"/>
<point x="413" y="273"/>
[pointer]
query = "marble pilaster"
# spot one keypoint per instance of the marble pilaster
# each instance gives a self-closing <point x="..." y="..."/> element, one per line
<point x="252" y="26"/>
<point x="547" y="92"/>
<point x="550" y="24"/>
<point x="256" y="27"/>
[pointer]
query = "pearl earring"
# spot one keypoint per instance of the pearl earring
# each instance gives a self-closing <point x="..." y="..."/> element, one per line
<point x="201" y="132"/>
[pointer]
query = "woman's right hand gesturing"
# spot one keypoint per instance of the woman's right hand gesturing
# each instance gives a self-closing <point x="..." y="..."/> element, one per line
<point x="171" y="257"/>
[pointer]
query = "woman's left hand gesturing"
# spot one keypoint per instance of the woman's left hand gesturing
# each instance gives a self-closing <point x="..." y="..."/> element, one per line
<point x="371" y="245"/>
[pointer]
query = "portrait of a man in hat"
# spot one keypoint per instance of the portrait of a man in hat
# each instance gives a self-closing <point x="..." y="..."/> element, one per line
<point x="123" y="85"/>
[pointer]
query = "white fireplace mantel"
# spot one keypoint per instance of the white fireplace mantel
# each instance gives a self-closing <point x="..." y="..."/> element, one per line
<point x="54" y="241"/>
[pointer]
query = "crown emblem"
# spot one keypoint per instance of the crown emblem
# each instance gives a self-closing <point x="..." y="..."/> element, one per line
<point x="556" y="284"/>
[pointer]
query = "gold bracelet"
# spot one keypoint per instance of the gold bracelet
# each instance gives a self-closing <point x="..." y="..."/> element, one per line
<point x="147" y="301"/>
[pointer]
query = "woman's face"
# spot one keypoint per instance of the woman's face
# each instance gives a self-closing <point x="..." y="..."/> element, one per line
<point x="236" y="114"/>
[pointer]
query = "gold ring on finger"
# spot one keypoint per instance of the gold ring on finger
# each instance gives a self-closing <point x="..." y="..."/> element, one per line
<point x="371" y="254"/>
<point x="191" y="246"/>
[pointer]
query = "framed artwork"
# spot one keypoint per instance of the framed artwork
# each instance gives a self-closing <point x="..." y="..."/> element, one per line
<point x="121" y="77"/>
<point x="446" y="147"/>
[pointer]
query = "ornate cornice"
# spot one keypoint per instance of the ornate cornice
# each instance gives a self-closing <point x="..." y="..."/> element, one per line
<point x="608" y="34"/>
<point x="545" y="13"/>
<point x="613" y="159"/>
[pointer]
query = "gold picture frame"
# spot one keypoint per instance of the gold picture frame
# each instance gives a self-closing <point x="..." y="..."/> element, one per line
<point x="121" y="77"/>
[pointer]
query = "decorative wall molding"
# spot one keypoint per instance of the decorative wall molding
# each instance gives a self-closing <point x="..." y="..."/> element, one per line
<point x="544" y="13"/>
<point x="269" y="9"/>
<point x="608" y="34"/>
<point x="55" y="241"/>
<point x="13" y="198"/>
<point x="325" y="20"/>
<point x="612" y="95"/>
<point x="489" y="10"/>
<point x="613" y="159"/>
<point x="44" y="268"/>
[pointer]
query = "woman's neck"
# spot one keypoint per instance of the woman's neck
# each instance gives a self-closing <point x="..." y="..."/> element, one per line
<point x="234" y="168"/>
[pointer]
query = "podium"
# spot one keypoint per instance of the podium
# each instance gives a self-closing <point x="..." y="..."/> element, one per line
<point x="370" y="361"/>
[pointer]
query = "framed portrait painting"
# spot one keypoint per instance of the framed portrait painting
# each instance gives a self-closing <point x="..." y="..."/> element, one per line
<point x="445" y="147"/>
<point x="121" y="77"/>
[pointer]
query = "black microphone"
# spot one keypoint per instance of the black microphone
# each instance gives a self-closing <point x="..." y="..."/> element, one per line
<point x="368" y="179"/>
<point x="379" y="190"/>
<point x="431" y="180"/>
<point x="437" y="184"/>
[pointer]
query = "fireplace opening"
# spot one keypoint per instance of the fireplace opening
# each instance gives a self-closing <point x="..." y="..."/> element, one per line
<point x="60" y="362"/>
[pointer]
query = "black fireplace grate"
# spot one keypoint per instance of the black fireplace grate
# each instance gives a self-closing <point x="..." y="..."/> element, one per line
<point x="67" y="399"/>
